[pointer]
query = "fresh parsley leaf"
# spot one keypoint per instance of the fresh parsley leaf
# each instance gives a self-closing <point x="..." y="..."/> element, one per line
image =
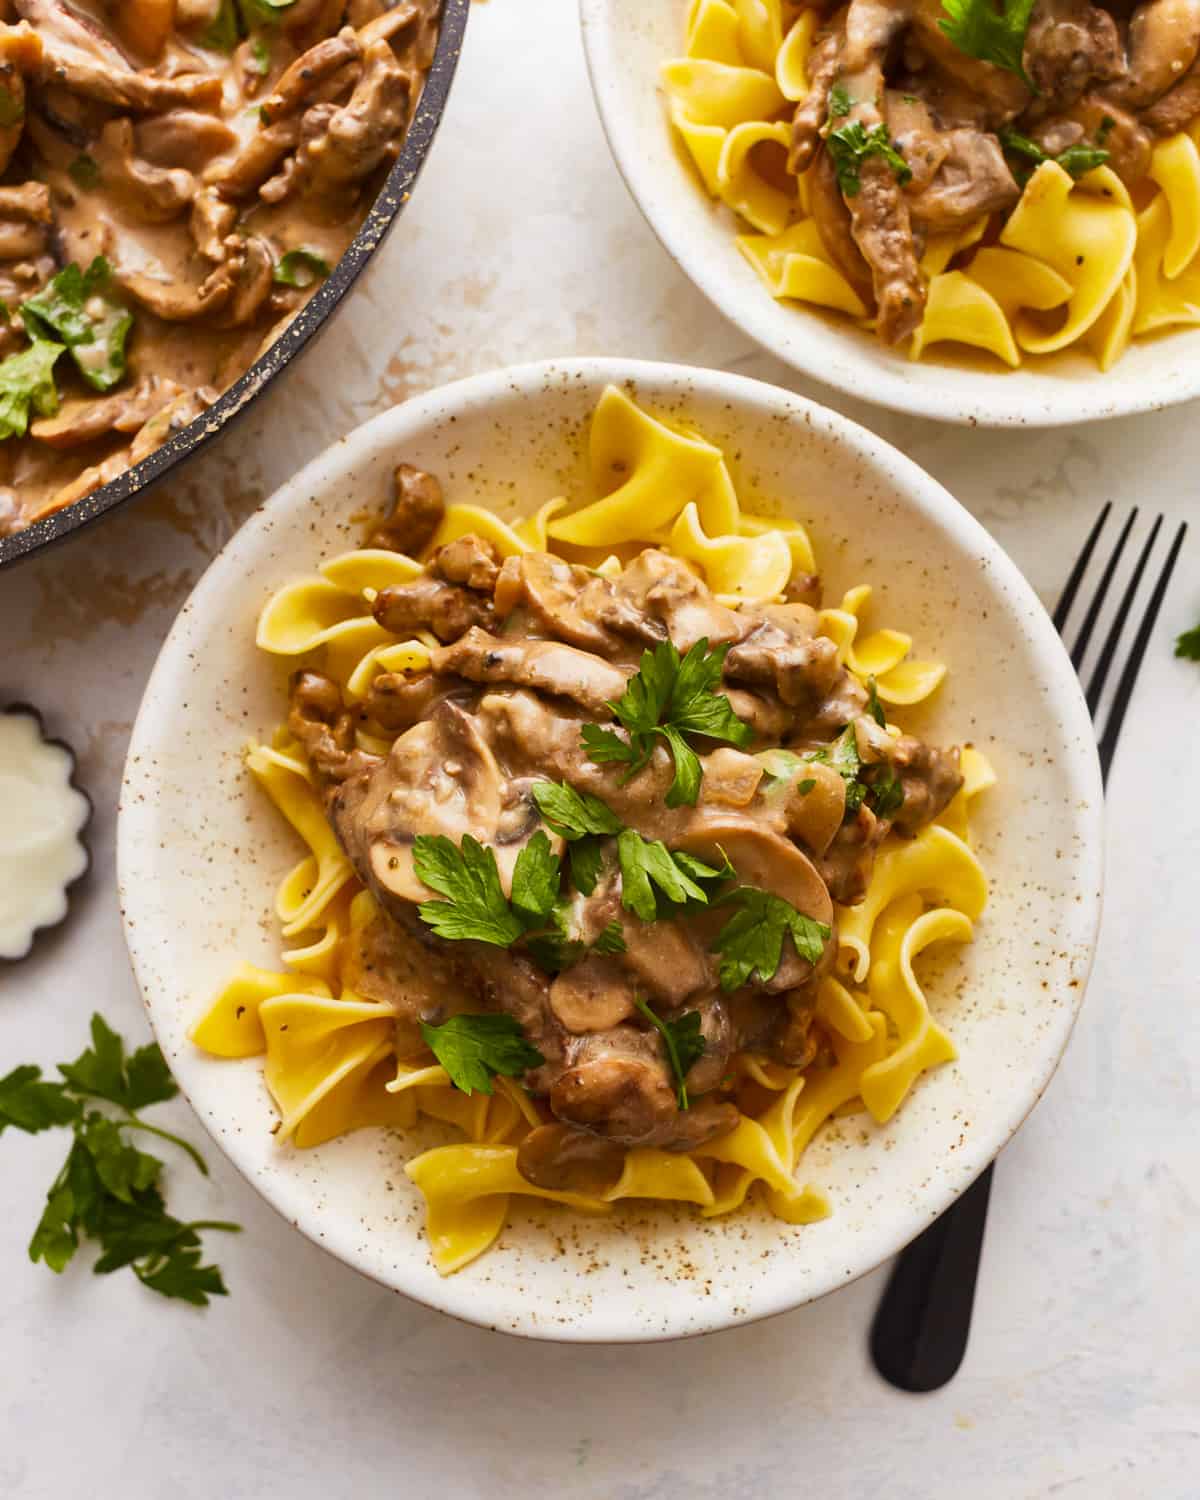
<point x="611" y="940"/>
<point x="85" y="171"/>
<point x="752" y="940"/>
<point x="1078" y="160"/>
<point x="1081" y="159"/>
<point x="102" y="1071"/>
<point x="301" y="268"/>
<point x="179" y="1274"/>
<point x="886" y="792"/>
<point x="27" y="381"/>
<point x="574" y="814"/>
<point x="647" y="866"/>
<point x="991" y="34"/>
<point x="852" y="144"/>
<point x="874" y="707"/>
<point x="684" y="1042"/>
<point x="475" y="906"/>
<point x="1188" y="644"/>
<point x="30" y="1103"/>
<point x="224" y="31"/>
<point x="606" y="747"/>
<point x="77" y="308"/>
<point x="260" y="57"/>
<point x="587" y="860"/>
<point x="670" y="697"/>
<point x="805" y="786"/>
<point x="108" y="1190"/>
<point x="685" y="788"/>
<point x="840" y="102"/>
<point x="475" y="1049"/>
<point x="537" y="875"/>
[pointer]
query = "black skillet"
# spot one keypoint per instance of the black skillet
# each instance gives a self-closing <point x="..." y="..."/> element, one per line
<point x="393" y="195"/>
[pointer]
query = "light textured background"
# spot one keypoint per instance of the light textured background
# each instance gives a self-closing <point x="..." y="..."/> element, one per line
<point x="1083" y="1376"/>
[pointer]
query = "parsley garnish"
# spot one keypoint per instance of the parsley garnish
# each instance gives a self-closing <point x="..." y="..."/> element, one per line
<point x="752" y="939"/>
<point x="582" y="820"/>
<point x="85" y="170"/>
<point x="874" y="707"/>
<point x="76" y="308"/>
<point x="840" y="102"/>
<point x="301" y="268"/>
<point x="27" y="382"/>
<point x="611" y="940"/>
<point x="684" y="1042"/>
<point x="1078" y="160"/>
<point x="107" y="1190"/>
<point x="475" y="905"/>
<point x="977" y="28"/>
<point x="475" y="1049"/>
<point x="651" y="873"/>
<point x="671" y="698"/>
<point x="574" y="814"/>
<point x="851" y="144"/>
<point x="1188" y="644"/>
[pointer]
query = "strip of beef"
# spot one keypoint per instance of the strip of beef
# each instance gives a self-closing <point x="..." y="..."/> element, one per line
<point x="545" y="666"/>
<point x="447" y="609"/>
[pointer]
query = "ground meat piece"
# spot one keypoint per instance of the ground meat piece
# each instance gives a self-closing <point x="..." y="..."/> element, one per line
<point x="448" y="609"/>
<point x="414" y="517"/>
<point x="468" y="560"/>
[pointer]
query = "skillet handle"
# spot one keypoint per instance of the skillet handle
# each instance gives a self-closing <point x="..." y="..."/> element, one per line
<point x="923" y="1320"/>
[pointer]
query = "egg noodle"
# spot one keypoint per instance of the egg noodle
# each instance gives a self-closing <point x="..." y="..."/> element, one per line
<point x="330" y="1062"/>
<point x="1075" y="263"/>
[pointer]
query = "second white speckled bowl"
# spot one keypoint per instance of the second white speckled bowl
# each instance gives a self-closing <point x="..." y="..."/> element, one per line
<point x="626" y="42"/>
<point x="200" y="853"/>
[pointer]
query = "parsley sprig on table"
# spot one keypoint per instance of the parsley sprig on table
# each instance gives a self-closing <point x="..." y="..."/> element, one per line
<point x="670" y="697"/>
<point x="992" y="34"/>
<point x="108" y="1190"/>
<point x="683" y="1041"/>
<point x="1187" y="645"/>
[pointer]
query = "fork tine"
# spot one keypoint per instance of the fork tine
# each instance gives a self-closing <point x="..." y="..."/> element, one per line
<point x="1124" y="692"/>
<point x="1079" y="650"/>
<point x="1071" y="587"/>
<point x="1108" y="651"/>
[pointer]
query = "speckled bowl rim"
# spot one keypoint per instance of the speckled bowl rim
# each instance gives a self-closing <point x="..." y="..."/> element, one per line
<point x="838" y="354"/>
<point x="157" y="720"/>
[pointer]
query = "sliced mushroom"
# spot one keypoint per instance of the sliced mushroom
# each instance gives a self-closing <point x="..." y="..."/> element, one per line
<point x="169" y="420"/>
<point x="185" y="138"/>
<point x="299" y="82"/>
<point x="211" y="223"/>
<point x="562" y="1159"/>
<point x="255" y="278"/>
<point x="153" y="195"/>
<point x="78" y="422"/>
<point x="175" y="302"/>
<point x="761" y="858"/>
<point x="258" y="158"/>
<point x="595" y="994"/>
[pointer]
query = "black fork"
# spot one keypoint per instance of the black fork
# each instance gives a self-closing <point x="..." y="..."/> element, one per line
<point x="919" y="1334"/>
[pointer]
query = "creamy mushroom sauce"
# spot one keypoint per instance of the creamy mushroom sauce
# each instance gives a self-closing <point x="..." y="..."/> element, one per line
<point x="532" y="650"/>
<point x="1100" y="83"/>
<point x="192" y="144"/>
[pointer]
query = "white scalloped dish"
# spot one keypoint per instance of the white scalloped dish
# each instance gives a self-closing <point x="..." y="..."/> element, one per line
<point x="200" y="855"/>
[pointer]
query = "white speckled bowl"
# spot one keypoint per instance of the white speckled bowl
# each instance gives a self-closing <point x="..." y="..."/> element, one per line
<point x="626" y="41"/>
<point x="200" y="852"/>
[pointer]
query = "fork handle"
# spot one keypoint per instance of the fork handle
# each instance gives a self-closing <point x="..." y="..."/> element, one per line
<point x="921" y="1326"/>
